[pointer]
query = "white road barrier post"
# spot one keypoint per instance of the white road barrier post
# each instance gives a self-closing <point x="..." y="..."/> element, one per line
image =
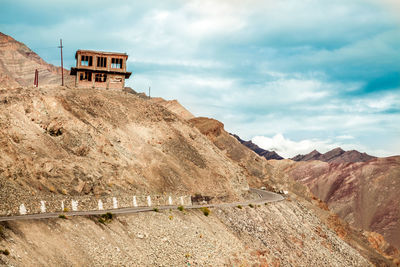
<point x="100" y="204"/>
<point x="115" y="203"/>
<point x="170" y="200"/>
<point x="134" y="201"/>
<point x="74" y="204"/>
<point x="62" y="205"/>
<point x="22" y="209"/>
<point x="42" y="206"/>
<point x="149" y="201"/>
<point x="182" y="202"/>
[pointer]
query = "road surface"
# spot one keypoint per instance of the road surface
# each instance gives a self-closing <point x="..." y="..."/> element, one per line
<point x="264" y="197"/>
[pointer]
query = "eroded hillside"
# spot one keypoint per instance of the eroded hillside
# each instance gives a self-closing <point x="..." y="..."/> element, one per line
<point x="365" y="194"/>
<point x="281" y="175"/>
<point x="56" y="140"/>
<point x="277" y="234"/>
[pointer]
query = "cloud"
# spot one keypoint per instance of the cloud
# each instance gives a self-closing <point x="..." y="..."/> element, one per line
<point x="289" y="148"/>
<point x="312" y="70"/>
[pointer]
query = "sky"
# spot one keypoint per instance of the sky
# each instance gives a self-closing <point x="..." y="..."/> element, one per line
<point x="291" y="75"/>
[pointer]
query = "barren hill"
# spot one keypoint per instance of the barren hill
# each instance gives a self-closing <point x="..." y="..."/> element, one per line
<point x="336" y="155"/>
<point x="365" y="194"/>
<point x="18" y="64"/>
<point x="56" y="140"/>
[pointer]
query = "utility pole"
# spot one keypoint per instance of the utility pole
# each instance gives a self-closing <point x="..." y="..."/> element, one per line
<point x="149" y="92"/>
<point x="62" y="68"/>
<point x="36" y="81"/>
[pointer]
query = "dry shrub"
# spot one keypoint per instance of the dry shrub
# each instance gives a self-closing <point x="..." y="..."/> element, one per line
<point x="82" y="151"/>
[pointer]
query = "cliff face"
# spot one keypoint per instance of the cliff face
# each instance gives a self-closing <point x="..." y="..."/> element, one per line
<point x="18" y="64"/>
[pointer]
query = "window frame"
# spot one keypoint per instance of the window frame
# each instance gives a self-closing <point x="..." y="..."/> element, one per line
<point x="100" y="77"/>
<point x="85" y="76"/>
<point x="87" y="59"/>
<point x="117" y="63"/>
<point x="101" y="62"/>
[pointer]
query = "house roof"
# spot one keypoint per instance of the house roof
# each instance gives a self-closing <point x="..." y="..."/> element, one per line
<point x="100" y="53"/>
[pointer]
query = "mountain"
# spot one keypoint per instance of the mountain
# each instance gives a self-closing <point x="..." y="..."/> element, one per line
<point x="18" y="64"/>
<point x="336" y="155"/>
<point x="313" y="155"/>
<point x="365" y="194"/>
<point x="279" y="175"/>
<point x="262" y="152"/>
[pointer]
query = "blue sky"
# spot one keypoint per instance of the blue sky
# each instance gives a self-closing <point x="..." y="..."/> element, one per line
<point x="290" y="75"/>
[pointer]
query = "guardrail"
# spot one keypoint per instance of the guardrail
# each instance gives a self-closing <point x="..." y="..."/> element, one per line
<point x="91" y="203"/>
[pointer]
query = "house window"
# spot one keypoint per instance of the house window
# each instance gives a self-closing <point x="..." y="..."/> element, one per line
<point x="101" y="62"/>
<point x="116" y="63"/>
<point x="85" y="76"/>
<point x="86" y="60"/>
<point x="100" y="77"/>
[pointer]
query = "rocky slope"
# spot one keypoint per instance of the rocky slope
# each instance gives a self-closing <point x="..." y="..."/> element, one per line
<point x="279" y="234"/>
<point x="277" y="175"/>
<point x="174" y="106"/>
<point x="262" y="152"/>
<point x="56" y="140"/>
<point x="336" y="155"/>
<point x="253" y="165"/>
<point x="365" y="194"/>
<point x="18" y="64"/>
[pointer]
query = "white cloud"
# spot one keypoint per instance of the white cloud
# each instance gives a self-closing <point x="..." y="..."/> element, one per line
<point x="288" y="148"/>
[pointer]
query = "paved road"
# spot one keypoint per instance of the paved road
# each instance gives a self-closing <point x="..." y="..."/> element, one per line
<point x="263" y="197"/>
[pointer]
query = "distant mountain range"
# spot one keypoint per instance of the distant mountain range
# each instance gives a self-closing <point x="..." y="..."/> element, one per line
<point x="262" y="152"/>
<point x="336" y="155"/>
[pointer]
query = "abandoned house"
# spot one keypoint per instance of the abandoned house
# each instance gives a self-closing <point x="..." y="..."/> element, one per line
<point x="100" y="69"/>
